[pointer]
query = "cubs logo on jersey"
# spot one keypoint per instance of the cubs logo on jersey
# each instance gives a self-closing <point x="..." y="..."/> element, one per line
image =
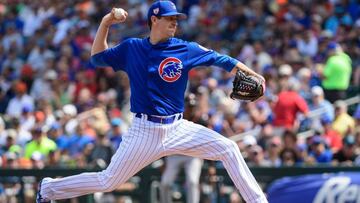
<point x="170" y="69"/>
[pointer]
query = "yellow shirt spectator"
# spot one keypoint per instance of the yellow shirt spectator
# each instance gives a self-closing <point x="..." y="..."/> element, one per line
<point x="343" y="124"/>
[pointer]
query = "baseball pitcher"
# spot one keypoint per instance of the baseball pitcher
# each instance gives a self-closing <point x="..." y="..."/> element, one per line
<point x="158" y="67"/>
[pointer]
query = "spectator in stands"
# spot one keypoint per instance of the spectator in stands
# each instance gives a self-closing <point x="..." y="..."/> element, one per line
<point x="304" y="76"/>
<point x="319" y="102"/>
<point x="272" y="155"/>
<point x="265" y="135"/>
<point x="12" y="38"/>
<point x="343" y="123"/>
<point x="337" y="73"/>
<point x="21" y="100"/>
<point x="56" y="134"/>
<point x="115" y="133"/>
<point x="211" y="185"/>
<point x="215" y="94"/>
<point x="101" y="152"/>
<point x="262" y="57"/>
<point x="288" y="157"/>
<point x="78" y="141"/>
<point x="10" y="143"/>
<point x="53" y="159"/>
<point x="332" y="137"/>
<point x="42" y="86"/>
<point x="27" y="118"/>
<point x="290" y="139"/>
<point x="288" y="104"/>
<point x="307" y="44"/>
<point x="12" y="185"/>
<point x="4" y="100"/>
<point x="69" y="118"/>
<point x="247" y="142"/>
<point x="346" y="156"/>
<point x="23" y="136"/>
<point x="39" y="143"/>
<point x="39" y="55"/>
<point x="257" y="157"/>
<point x="318" y="151"/>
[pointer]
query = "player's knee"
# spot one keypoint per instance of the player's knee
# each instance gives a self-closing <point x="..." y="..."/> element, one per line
<point x="107" y="184"/>
<point x="230" y="149"/>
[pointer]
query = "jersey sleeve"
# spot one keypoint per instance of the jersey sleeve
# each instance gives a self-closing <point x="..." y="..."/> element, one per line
<point x="201" y="56"/>
<point x="114" y="57"/>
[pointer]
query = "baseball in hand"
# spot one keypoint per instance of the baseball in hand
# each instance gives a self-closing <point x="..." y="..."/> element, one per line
<point x="119" y="13"/>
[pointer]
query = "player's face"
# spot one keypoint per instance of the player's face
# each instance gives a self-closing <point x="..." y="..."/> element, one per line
<point x="168" y="25"/>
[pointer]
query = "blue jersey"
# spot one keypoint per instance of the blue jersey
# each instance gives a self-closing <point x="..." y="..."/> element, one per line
<point x="158" y="74"/>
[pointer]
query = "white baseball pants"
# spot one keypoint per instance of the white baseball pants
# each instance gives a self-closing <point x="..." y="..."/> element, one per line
<point x="192" y="166"/>
<point x="146" y="142"/>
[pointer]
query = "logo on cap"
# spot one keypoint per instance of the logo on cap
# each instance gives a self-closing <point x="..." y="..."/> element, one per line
<point x="173" y="5"/>
<point x="156" y="11"/>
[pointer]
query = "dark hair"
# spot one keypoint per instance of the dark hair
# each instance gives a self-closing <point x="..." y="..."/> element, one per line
<point x="149" y="21"/>
<point x="291" y="134"/>
<point x="291" y="151"/>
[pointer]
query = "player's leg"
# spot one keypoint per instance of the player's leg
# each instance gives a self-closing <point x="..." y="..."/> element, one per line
<point x="173" y="164"/>
<point x="140" y="146"/>
<point x="193" y="167"/>
<point x="192" y="139"/>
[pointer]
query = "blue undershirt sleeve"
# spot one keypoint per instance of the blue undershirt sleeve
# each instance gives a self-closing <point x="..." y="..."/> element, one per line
<point x="201" y="56"/>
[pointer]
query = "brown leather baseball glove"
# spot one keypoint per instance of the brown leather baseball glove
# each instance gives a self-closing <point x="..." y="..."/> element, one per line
<point x="247" y="87"/>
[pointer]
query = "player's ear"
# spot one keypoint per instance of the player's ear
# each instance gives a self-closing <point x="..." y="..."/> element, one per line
<point x="154" y="19"/>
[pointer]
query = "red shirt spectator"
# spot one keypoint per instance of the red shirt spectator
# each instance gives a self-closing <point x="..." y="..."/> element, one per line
<point x="288" y="105"/>
<point x="332" y="137"/>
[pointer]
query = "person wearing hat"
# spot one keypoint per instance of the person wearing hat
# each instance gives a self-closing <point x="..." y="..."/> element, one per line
<point x="343" y="123"/>
<point x="10" y="144"/>
<point x="318" y="102"/>
<point x="21" y="99"/>
<point x="115" y="134"/>
<point x="257" y="157"/>
<point x="319" y="153"/>
<point x="157" y="67"/>
<point x="39" y="143"/>
<point x="346" y="156"/>
<point x="27" y="118"/>
<point x="332" y="137"/>
<point x="337" y="73"/>
<point x="289" y="102"/>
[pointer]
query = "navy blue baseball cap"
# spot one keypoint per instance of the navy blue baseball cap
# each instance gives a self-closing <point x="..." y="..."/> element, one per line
<point x="164" y="8"/>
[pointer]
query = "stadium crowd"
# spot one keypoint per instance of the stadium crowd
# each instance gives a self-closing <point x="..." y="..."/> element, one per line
<point x="58" y="110"/>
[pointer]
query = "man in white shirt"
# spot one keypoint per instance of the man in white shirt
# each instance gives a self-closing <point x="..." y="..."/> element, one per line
<point x="21" y="100"/>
